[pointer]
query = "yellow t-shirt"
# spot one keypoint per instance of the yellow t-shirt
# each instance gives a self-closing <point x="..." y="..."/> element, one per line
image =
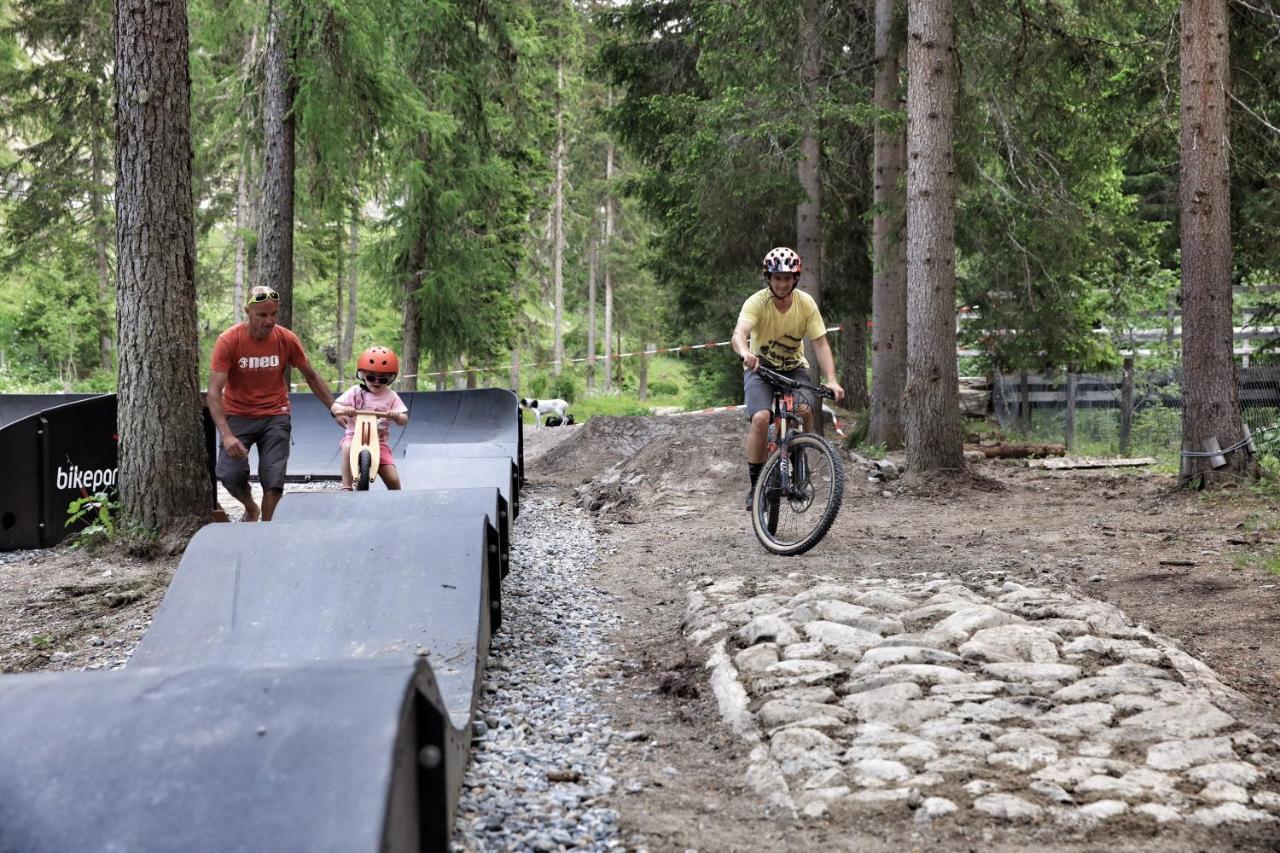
<point x="778" y="338"/>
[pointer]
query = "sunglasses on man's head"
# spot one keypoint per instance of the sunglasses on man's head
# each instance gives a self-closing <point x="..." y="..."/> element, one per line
<point x="380" y="378"/>
<point x="264" y="295"/>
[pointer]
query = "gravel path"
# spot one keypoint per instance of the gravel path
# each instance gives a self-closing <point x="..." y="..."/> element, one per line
<point x="540" y="754"/>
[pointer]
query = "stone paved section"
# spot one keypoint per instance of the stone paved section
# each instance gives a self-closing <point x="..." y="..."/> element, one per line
<point x="984" y="699"/>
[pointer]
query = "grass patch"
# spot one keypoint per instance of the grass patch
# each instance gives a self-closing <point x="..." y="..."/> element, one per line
<point x="1266" y="561"/>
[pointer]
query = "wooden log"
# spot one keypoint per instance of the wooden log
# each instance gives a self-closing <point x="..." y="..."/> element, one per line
<point x="1018" y="451"/>
<point x="1071" y="464"/>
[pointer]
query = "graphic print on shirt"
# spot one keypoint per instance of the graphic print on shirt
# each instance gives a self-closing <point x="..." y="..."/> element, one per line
<point x="266" y="362"/>
<point x="783" y="354"/>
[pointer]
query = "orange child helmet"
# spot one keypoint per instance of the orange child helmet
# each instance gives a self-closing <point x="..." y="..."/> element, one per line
<point x="378" y="360"/>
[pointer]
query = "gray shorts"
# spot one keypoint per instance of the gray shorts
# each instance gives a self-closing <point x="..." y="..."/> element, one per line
<point x="272" y="435"/>
<point x="759" y="393"/>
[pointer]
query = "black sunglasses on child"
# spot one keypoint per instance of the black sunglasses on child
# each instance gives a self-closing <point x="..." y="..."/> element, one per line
<point x="263" y="296"/>
<point x="380" y="378"/>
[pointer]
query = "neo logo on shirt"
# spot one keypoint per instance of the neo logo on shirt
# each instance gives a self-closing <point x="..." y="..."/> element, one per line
<point x="255" y="362"/>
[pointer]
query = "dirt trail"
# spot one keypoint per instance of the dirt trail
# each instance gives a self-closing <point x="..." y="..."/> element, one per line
<point x="1185" y="566"/>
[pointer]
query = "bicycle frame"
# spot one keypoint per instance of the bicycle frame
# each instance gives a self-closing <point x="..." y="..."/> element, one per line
<point x="784" y="419"/>
<point x="365" y="438"/>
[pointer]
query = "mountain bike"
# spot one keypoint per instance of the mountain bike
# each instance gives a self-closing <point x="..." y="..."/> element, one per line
<point x="802" y="483"/>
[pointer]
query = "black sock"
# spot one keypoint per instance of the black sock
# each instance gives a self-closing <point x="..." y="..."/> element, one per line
<point x="753" y="468"/>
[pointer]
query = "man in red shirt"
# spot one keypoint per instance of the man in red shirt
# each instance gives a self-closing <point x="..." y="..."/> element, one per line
<point x="249" y="402"/>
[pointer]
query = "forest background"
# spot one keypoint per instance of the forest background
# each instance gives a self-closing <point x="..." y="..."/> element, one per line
<point x="488" y="181"/>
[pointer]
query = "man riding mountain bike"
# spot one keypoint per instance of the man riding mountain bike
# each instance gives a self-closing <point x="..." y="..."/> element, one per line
<point x="771" y="329"/>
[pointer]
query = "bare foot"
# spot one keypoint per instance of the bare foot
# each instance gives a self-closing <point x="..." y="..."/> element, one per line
<point x="250" y="513"/>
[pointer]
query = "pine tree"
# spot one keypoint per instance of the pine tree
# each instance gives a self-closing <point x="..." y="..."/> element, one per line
<point x="163" y="476"/>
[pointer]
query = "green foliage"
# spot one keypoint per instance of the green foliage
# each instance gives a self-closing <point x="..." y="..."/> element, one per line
<point x="613" y="405"/>
<point x="664" y="389"/>
<point x="101" y="511"/>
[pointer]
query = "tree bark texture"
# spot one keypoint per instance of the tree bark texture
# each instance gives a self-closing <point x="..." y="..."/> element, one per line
<point x="98" y="137"/>
<point x="100" y="231"/>
<point x="809" y="167"/>
<point x="339" y="286"/>
<point x="242" y="248"/>
<point x="557" y="222"/>
<point x="934" y="441"/>
<point x="591" y="315"/>
<point x="1210" y="395"/>
<point x="1069" y="422"/>
<point x="608" y="248"/>
<point x="347" y="348"/>
<point x="853" y="361"/>
<point x="888" y="247"/>
<point x="411" y="326"/>
<point x="275" y="246"/>
<point x="164" y="476"/>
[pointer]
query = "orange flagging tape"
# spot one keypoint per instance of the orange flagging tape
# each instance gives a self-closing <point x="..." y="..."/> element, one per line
<point x="578" y="360"/>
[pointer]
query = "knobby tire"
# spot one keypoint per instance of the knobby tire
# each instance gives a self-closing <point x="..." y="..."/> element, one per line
<point x="767" y="503"/>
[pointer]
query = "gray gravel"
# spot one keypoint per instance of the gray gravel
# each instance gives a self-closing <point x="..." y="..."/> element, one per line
<point x="540" y="755"/>
<point x="17" y="556"/>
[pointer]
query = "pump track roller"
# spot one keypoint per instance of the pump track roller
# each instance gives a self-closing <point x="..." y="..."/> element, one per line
<point x="306" y="684"/>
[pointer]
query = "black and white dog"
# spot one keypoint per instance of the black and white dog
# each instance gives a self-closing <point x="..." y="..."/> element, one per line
<point x="542" y="408"/>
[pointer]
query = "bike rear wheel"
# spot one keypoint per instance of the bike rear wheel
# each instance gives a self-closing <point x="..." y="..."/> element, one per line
<point x="362" y="477"/>
<point x="791" y="521"/>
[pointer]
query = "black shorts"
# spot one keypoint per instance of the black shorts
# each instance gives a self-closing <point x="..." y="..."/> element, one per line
<point x="272" y="435"/>
<point x="758" y="393"/>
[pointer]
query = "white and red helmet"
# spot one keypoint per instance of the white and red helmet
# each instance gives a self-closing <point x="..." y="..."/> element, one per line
<point x="782" y="259"/>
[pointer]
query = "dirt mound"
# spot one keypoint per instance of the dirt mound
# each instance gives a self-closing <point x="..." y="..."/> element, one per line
<point x="672" y="476"/>
<point x="947" y="485"/>
<point x="606" y="441"/>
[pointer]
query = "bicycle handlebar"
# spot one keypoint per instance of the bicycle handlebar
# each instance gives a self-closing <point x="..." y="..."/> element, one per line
<point x="777" y="380"/>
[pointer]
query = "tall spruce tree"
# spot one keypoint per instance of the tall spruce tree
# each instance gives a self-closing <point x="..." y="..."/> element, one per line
<point x="164" y="478"/>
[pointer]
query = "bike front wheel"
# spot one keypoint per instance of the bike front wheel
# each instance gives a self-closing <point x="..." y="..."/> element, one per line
<point x="363" y="477"/>
<point x="790" y="514"/>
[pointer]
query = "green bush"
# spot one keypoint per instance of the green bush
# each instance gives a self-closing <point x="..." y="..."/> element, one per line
<point x="564" y="387"/>
<point x="663" y="389"/>
<point x="539" y="383"/>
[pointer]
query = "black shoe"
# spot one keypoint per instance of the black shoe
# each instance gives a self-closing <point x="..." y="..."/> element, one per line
<point x="750" y="494"/>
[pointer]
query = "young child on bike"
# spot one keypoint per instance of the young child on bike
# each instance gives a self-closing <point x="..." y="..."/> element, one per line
<point x="376" y="369"/>
<point x="771" y="328"/>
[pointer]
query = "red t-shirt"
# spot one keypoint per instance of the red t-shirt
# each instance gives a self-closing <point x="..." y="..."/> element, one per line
<point x="255" y="370"/>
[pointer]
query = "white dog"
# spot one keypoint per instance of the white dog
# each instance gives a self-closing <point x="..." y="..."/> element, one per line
<point x="543" y="408"/>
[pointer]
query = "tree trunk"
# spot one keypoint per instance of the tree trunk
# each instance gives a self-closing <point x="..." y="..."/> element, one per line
<point x="275" y="247"/>
<point x="163" y="475"/>
<point x="809" y="210"/>
<point x="1069" y="425"/>
<point x="591" y="315"/>
<point x="246" y="203"/>
<point x="889" y="279"/>
<point x="100" y="233"/>
<point x="608" y="248"/>
<point x="557" y="226"/>
<point x="1126" y="406"/>
<point x="1210" y="396"/>
<point x="853" y="361"/>
<point x="932" y="395"/>
<point x="242" y="249"/>
<point x="642" y="374"/>
<point x="411" y="324"/>
<point x="347" y="349"/>
<point x="339" y="283"/>
<point x="1024" y="403"/>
